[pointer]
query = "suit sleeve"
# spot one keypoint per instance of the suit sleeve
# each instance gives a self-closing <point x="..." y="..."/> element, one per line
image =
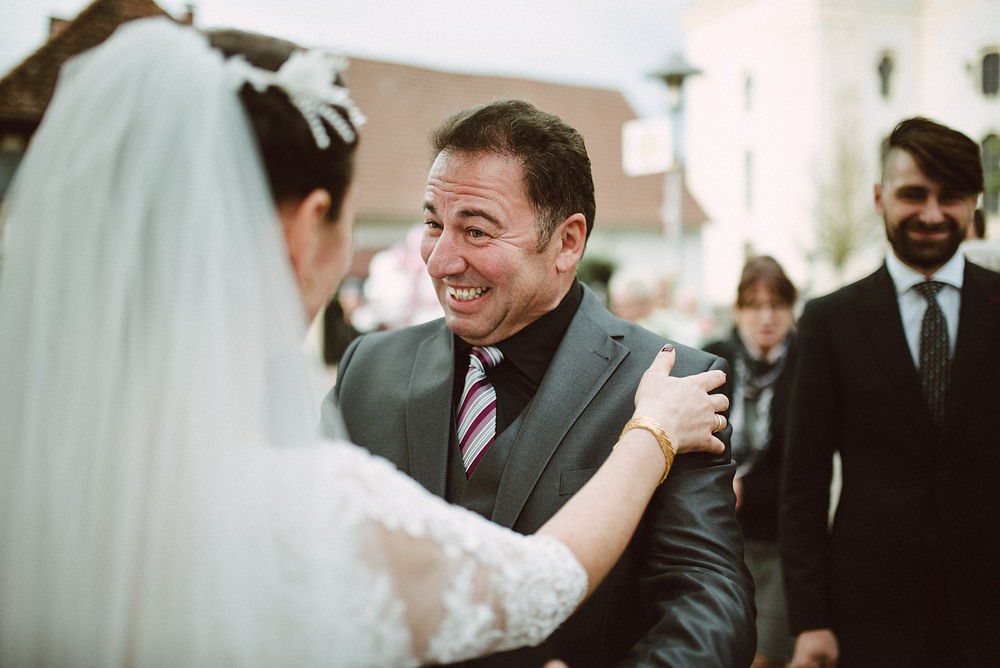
<point x="694" y="582"/>
<point x="810" y="441"/>
<point x="331" y="422"/>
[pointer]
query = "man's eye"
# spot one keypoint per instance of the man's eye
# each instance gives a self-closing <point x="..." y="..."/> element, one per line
<point x="476" y="234"/>
<point x="912" y="195"/>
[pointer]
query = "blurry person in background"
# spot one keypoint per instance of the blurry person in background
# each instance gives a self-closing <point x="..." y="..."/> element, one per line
<point x="398" y="292"/>
<point x="759" y="353"/>
<point x="631" y="294"/>
<point x="977" y="248"/>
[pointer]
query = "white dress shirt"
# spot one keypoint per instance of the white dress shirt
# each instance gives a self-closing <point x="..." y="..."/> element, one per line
<point x="912" y="304"/>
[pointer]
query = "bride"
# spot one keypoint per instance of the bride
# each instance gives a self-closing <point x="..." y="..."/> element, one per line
<point x="163" y="496"/>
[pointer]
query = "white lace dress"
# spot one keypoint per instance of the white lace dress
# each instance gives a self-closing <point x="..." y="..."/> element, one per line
<point x="383" y="573"/>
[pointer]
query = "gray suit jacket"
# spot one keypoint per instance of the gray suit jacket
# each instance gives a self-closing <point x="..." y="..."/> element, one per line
<point x="681" y="595"/>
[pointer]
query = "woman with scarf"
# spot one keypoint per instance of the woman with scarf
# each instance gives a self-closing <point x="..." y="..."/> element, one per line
<point x="759" y="355"/>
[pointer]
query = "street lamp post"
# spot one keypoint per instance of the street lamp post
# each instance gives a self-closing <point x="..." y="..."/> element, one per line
<point x="686" y="261"/>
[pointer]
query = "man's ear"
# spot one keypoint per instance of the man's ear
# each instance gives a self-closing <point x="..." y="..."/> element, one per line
<point x="879" y="206"/>
<point x="300" y="222"/>
<point x="571" y="235"/>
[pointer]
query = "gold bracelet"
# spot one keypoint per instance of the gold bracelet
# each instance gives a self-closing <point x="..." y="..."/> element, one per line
<point x="653" y="427"/>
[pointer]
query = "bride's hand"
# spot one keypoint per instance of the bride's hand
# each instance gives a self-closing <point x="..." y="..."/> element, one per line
<point x="683" y="406"/>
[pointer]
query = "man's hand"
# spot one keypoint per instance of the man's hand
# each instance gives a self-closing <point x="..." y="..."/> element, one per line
<point x="816" y="649"/>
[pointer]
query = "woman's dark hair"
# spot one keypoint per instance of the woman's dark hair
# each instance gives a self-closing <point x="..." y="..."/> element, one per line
<point x="295" y="165"/>
<point x="765" y="270"/>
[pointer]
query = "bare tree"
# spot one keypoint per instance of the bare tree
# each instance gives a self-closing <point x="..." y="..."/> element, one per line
<point x="845" y="221"/>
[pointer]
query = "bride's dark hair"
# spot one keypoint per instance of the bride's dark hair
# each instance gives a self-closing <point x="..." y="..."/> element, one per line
<point x="295" y="165"/>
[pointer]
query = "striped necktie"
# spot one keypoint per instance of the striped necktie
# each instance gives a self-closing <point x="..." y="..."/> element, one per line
<point x="935" y="351"/>
<point x="477" y="411"/>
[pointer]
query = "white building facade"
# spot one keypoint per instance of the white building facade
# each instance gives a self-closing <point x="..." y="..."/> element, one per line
<point x="784" y="124"/>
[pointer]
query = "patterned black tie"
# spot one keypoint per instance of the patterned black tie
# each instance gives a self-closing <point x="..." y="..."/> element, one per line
<point x="935" y="352"/>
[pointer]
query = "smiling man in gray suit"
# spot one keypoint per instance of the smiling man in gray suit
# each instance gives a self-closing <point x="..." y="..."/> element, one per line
<point x="508" y="208"/>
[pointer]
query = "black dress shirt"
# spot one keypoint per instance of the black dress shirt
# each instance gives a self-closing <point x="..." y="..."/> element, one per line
<point x="526" y="357"/>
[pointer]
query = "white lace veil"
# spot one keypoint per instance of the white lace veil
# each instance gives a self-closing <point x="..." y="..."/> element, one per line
<point x="143" y="269"/>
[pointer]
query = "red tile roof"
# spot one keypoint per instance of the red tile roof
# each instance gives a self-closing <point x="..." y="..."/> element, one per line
<point x="403" y="104"/>
<point x="26" y="90"/>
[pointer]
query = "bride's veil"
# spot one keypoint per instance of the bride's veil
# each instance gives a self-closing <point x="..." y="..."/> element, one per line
<point x="150" y="334"/>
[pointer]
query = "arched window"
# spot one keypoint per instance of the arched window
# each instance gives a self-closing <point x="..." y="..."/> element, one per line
<point x="991" y="74"/>
<point x="885" y="67"/>
<point x="11" y="151"/>
<point x="991" y="174"/>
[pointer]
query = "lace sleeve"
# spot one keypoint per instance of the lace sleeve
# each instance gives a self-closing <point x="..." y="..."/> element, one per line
<point x="437" y="582"/>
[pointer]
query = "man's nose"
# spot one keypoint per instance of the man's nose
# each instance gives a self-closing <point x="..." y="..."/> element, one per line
<point x="931" y="212"/>
<point x="445" y="256"/>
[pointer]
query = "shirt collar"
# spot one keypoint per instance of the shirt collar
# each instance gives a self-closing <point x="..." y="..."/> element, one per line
<point x="905" y="277"/>
<point x="532" y="349"/>
<point x="754" y="351"/>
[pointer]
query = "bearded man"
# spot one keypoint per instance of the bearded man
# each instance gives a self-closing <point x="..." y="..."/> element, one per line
<point x="898" y="374"/>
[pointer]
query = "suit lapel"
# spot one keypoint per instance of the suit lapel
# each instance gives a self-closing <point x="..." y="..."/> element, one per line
<point x="979" y="316"/>
<point x="586" y="358"/>
<point x="429" y="411"/>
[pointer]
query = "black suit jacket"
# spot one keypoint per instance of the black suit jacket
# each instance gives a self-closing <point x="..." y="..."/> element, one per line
<point x="680" y="596"/>
<point x="914" y="508"/>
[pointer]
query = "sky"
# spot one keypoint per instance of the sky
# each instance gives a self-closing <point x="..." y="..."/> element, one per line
<point x="602" y="43"/>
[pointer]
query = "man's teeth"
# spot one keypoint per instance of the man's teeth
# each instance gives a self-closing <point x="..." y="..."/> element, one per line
<point x="465" y="294"/>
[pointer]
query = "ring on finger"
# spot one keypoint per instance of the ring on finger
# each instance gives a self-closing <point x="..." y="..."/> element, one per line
<point x="720" y="423"/>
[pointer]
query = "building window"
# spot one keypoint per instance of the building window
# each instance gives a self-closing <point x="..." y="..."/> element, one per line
<point x="885" y="67"/>
<point x="991" y="74"/>
<point x="11" y="150"/>
<point x="991" y="174"/>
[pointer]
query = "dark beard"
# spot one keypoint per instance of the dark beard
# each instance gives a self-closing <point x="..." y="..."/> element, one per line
<point x="924" y="254"/>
